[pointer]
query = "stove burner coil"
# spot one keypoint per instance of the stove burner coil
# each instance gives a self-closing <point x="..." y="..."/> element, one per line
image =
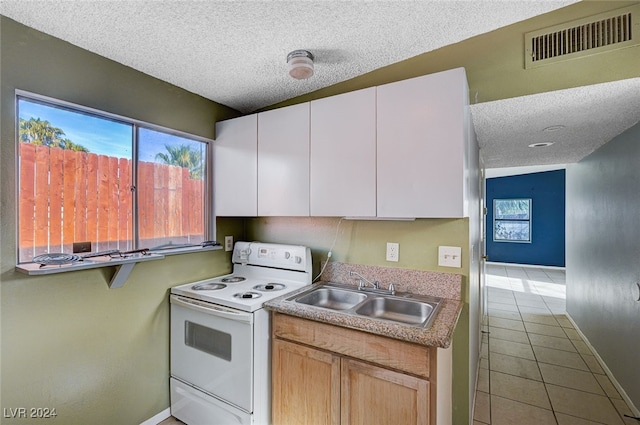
<point x="208" y="286"/>
<point x="56" y="259"/>
<point x="247" y="295"/>
<point x="268" y="287"/>
<point x="232" y="279"/>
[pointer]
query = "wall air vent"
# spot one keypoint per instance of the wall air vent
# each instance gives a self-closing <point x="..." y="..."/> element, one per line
<point x="595" y="34"/>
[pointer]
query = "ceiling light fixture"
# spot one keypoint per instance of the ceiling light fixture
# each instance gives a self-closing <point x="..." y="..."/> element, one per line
<point x="540" y="145"/>
<point x="300" y="64"/>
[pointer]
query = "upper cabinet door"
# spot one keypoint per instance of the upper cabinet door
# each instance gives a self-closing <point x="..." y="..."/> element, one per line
<point x="235" y="165"/>
<point x="343" y="155"/>
<point x="421" y="143"/>
<point x="283" y="161"/>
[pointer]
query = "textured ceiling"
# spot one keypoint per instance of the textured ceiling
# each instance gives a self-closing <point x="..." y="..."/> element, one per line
<point x="591" y="116"/>
<point x="234" y="53"/>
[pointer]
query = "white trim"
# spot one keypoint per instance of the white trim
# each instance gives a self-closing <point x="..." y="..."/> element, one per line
<point x="165" y="414"/>
<point x="616" y="384"/>
<point x="107" y="115"/>
<point x="208" y="217"/>
<point x="472" y="408"/>
<point x="529" y="266"/>
<point x="444" y="391"/>
<point x="515" y="171"/>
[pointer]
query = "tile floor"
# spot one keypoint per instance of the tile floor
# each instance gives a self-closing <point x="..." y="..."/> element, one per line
<point x="535" y="369"/>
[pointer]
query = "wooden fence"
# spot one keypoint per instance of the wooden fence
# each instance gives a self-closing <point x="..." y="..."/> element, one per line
<point x="68" y="196"/>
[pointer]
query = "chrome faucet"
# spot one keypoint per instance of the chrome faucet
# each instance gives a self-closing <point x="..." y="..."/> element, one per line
<point x="362" y="280"/>
<point x="375" y="286"/>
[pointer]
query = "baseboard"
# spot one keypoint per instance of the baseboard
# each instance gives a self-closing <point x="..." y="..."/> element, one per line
<point x="472" y="409"/>
<point x="604" y="366"/>
<point x="166" y="413"/>
<point x="530" y="266"/>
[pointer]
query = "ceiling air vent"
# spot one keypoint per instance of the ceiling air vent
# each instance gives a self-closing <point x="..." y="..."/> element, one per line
<point x="595" y="34"/>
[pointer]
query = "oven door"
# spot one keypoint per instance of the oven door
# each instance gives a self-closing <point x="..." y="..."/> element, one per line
<point x="212" y="348"/>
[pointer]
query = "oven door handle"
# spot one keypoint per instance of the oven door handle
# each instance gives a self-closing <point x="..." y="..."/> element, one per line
<point x="212" y="310"/>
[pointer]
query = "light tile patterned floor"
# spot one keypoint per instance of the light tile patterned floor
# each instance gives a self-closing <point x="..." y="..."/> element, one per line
<point x="535" y="369"/>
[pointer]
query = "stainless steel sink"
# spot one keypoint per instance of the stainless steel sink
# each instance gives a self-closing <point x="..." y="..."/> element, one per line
<point x="408" y="309"/>
<point x="332" y="298"/>
<point x="397" y="310"/>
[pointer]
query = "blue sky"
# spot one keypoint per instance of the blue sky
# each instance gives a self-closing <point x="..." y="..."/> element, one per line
<point x="99" y="135"/>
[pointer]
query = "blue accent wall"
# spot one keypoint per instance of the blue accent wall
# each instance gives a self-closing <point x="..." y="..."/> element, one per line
<point x="547" y="193"/>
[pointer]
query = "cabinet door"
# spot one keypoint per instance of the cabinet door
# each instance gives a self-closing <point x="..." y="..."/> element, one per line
<point x="343" y="155"/>
<point x="235" y="165"/>
<point x="372" y="395"/>
<point x="283" y="161"/>
<point x="305" y="385"/>
<point x="420" y="147"/>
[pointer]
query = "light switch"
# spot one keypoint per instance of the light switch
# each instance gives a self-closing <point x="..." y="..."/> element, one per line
<point x="450" y="256"/>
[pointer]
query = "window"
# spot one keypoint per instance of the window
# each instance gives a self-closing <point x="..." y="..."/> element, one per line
<point x="512" y="220"/>
<point x="88" y="176"/>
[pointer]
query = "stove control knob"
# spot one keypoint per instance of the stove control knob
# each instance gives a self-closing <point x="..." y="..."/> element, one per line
<point x="298" y="260"/>
<point x="287" y="255"/>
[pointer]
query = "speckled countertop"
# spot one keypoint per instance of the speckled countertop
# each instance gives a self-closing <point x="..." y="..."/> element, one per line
<point x="444" y="285"/>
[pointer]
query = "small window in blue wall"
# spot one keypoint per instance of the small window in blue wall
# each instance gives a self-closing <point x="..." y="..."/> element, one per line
<point x="512" y="220"/>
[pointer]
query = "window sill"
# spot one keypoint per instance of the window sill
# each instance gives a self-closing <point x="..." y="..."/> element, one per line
<point x="124" y="265"/>
<point x="185" y="250"/>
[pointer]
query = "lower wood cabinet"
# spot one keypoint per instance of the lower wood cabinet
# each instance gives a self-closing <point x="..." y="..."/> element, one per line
<point x="314" y="385"/>
<point x="374" y="395"/>
<point x="306" y="385"/>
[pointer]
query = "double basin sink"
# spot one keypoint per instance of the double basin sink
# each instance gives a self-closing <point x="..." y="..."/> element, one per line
<point x="407" y="309"/>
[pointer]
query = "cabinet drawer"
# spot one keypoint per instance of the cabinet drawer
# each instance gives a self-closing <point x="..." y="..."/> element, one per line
<point x="388" y="352"/>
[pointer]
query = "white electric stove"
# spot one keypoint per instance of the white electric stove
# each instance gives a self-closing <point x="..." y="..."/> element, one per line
<point x="220" y="350"/>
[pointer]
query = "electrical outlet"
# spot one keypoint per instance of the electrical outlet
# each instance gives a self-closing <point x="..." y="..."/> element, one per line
<point x="450" y="256"/>
<point x="79" y="247"/>
<point x="393" y="251"/>
<point x="228" y="243"/>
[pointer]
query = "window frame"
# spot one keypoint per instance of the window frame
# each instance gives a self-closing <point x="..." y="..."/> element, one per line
<point x="209" y="220"/>
<point x="528" y="220"/>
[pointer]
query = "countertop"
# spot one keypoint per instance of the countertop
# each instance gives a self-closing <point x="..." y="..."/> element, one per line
<point x="439" y="334"/>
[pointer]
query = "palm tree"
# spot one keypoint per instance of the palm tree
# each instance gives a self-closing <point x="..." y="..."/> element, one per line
<point x="68" y="144"/>
<point x="42" y="133"/>
<point x="183" y="156"/>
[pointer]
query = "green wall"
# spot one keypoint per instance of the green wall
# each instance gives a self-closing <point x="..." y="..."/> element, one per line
<point x="97" y="355"/>
<point x="100" y="356"/>
<point x="364" y="242"/>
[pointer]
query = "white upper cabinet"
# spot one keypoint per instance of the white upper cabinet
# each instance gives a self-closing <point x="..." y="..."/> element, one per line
<point x="401" y="150"/>
<point x="343" y="155"/>
<point x="283" y="161"/>
<point x="421" y="146"/>
<point x="235" y="167"/>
